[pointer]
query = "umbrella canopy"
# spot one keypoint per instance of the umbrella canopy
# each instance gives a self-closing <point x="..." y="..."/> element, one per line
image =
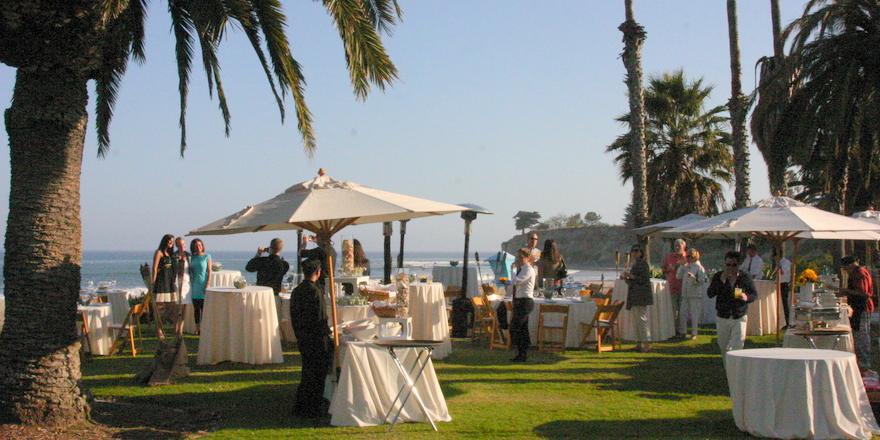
<point x="775" y="216"/>
<point x="669" y="224"/>
<point x="325" y="205"/>
<point x="848" y="235"/>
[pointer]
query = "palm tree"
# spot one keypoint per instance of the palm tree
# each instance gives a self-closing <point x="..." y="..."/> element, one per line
<point x="633" y="38"/>
<point x="832" y="116"/>
<point x="738" y="104"/>
<point x="772" y="96"/>
<point x="689" y="155"/>
<point x="57" y="47"/>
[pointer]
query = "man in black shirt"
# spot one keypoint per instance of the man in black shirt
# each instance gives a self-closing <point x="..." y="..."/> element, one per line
<point x="271" y="268"/>
<point x="313" y="337"/>
<point x="733" y="290"/>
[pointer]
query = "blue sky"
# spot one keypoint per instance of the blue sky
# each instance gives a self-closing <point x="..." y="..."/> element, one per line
<point x="507" y="104"/>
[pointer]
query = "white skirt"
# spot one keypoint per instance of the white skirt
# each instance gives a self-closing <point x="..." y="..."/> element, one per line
<point x="186" y="292"/>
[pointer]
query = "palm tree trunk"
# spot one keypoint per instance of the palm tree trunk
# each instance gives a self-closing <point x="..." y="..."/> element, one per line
<point x="633" y="38"/>
<point x="40" y="379"/>
<point x="737" y="104"/>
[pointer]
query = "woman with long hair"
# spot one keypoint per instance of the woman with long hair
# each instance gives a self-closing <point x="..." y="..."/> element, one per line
<point x="551" y="265"/>
<point x="200" y="276"/>
<point x="162" y="279"/>
<point x="639" y="296"/>
<point x="360" y="257"/>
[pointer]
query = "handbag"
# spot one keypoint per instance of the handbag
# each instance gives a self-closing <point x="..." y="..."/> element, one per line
<point x="562" y="272"/>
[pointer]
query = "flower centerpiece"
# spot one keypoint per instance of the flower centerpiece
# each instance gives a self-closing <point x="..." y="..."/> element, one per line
<point x="503" y="281"/>
<point x="807" y="276"/>
<point x="240" y="283"/>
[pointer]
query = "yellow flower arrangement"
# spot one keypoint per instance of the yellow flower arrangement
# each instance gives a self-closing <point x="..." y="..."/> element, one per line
<point x="807" y="276"/>
<point x="503" y="280"/>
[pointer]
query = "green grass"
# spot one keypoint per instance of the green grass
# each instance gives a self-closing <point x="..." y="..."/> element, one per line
<point x="679" y="390"/>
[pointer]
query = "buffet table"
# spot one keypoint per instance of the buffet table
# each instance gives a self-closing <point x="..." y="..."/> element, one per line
<point x="427" y="307"/>
<point x="660" y="316"/>
<point x="579" y="312"/>
<point x="369" y="382"/>
<point x="799" y="393"/>
<point x="98" y="318"/>
<point x="451" y="277"/>
<point x="240" y="325"/>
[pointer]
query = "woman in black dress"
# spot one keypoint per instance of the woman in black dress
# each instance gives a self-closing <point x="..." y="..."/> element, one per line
<point x="163" y="267"/>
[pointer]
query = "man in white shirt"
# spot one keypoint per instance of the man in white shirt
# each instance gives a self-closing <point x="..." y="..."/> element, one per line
<point x="753" y="265"/>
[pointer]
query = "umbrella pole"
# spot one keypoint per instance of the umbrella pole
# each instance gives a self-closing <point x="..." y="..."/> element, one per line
<point x="792" y="299"/>
<point x="299" y="240"/>
<point x="332" y="289"/>
<point x="402" y="235"/>
<point x="778" y="291"/>
<point x="386" y="231"/>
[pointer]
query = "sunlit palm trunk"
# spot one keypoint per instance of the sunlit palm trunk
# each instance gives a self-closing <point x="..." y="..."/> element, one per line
<point x="737" y="104"/>
<point x="634" y="37"/>
<point x="39" y="349"/>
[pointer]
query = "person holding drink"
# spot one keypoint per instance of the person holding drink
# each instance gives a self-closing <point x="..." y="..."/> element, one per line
<point x="639" y="296"/>
<point x="733" y="290"/>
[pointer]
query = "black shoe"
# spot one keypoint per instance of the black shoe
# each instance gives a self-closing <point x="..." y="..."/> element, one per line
<point x="518" y="358"/>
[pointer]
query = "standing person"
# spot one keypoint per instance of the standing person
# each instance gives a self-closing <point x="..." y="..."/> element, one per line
<point x="360" y="257"/>
<point x="551" y="265"/>
<point x="182" y="271"/>
<point x="271" y="268"/>
<point x="859" y="295"/>
<point x="200" y="277"/>
<point x="523" y="304"/>
<point x="162" y="276"/>
<point x="693" y="279"/>
<point x="784" y="273"/>
<point x="639" y="296"/>
<point x="753" y="265"/>
<point x="671" y="263"/>
<point x="532" y="246"/>
<point x="733" y="290"/>
<point x="313" y="337"/>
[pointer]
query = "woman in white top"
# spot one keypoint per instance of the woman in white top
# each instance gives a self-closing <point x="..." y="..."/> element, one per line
<point x="523" y="304"/>
<point x="182" y="264"/>
<point x="693" y="289"/>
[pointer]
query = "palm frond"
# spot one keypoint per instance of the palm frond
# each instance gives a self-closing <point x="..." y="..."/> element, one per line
<point x="183" y="28"/>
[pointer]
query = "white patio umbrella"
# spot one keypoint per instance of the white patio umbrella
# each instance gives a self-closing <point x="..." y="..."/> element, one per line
<point x="778" y="219"/>
<point x="659" y="229"/>
<point x="325" y="206"/>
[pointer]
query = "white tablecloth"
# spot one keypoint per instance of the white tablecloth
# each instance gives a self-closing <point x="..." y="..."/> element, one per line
<point x="223" y="278"/>
<point x="427" y="307"/>
<point x="119" y="303"/>
<point x="799" y="393"/>
<point x="99" y="317"/>
<point x="2" y="311"/>
<point x="578" y="312"/>
<point x="240" y="325"/>
<point x="791" y="340"/>
<point x="285" y="323"/>
<point x="660" y="317"/>
<point x="451" y="277"/>
<point x="353" y="313"/>
<point x="369" y="382"/>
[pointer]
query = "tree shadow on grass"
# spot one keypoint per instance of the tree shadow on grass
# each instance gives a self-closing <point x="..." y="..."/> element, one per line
<point x="707" y="424"/>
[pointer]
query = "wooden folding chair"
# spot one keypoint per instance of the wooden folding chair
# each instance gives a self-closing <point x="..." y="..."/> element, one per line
<point x="545" y="329"/>
<point x="483" y="319"/>
<point x="85" y="342"/>
<point x="500" y="337"/>
<point x="128" y="326"/>
<point x="605" y="324"/>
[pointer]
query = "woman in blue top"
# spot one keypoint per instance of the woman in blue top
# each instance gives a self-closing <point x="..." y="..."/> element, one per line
<point x="200" y="276"/>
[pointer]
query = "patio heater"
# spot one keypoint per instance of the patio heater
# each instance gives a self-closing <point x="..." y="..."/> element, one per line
<point x="462" y="309"/>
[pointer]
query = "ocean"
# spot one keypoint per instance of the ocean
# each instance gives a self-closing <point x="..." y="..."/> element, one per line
<point x="122" y="266"/>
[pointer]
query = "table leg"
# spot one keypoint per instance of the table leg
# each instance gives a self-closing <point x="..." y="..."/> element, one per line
<point x="410" y="383"/>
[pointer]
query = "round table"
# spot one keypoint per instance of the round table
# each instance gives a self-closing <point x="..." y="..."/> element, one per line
<point x="224" y="278"/>
<point x="427" y="308"/>
<point x="799" y="393"/>
<point x="660" y="316"/>
<point x="451" y="277"/>
<point x="98" y="319"/>
<point x="240" y="325"/>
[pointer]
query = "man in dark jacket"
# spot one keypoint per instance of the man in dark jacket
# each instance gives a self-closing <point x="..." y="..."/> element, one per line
<point x="733" y="290"/>
<point x="271" y="268"/>
<point x="307" y="311"/>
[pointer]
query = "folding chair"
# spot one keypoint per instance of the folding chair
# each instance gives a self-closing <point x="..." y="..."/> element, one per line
<point x="128" y="326"/>
<point x="483" y="319"/>
<point x="85" y="343"/>
<point x="500" y="337"/>
<point x="605" y="324"/>
<point x="546" y="329"/>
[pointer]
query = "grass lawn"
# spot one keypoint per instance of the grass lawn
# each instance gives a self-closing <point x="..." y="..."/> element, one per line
<point x="679" y="390"/>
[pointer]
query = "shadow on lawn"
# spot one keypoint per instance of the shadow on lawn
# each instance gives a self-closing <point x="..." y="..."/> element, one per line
<point x="707" y="424"/>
